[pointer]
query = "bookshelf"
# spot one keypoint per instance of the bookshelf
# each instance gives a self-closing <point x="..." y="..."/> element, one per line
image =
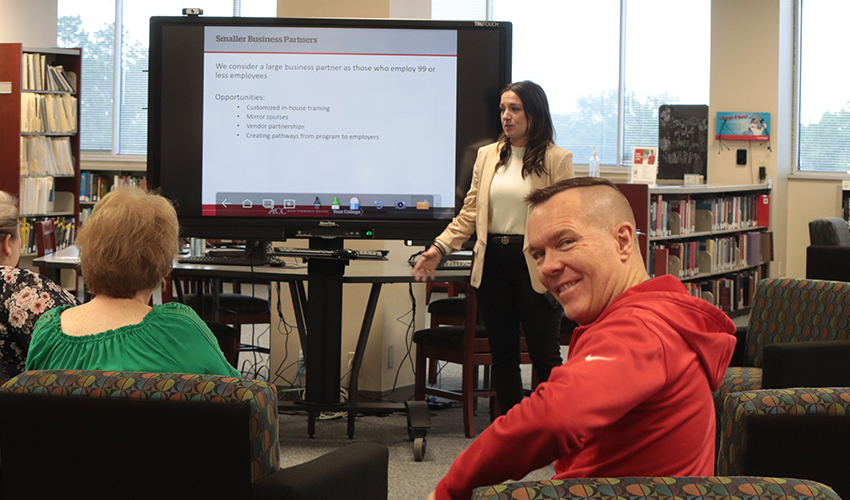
<point x="715" y="239"/>
<point x="98" y="177"/>
<point x="39" y="137"/>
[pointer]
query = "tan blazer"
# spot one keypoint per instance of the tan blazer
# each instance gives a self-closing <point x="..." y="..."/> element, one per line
<point x="474" y="216"/>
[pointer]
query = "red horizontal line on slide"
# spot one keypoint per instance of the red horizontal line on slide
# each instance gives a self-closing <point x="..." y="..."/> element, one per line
<point x="328" y="53"/>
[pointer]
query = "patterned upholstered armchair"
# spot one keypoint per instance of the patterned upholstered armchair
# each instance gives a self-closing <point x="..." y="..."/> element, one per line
<point x="787" y="310"/>
<point x="796" y="432"/>
<point x="828" y="253"/>
<point x="644" y="488"/>
<point x="95" y="434"/>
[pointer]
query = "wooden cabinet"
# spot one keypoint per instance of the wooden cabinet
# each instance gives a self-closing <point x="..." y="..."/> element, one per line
<point x="716" y="239"/>
<point x="39" y="130"/>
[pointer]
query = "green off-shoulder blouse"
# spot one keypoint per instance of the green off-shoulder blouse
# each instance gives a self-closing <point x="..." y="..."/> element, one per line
<point x="170" y="339"/>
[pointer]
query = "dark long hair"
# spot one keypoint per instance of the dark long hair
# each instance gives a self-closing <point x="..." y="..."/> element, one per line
<point x="541" y="132"/>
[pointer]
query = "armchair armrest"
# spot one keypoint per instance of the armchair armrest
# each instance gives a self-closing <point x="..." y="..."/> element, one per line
<point x="821" y="363"/>
<point x="357" y="472"/>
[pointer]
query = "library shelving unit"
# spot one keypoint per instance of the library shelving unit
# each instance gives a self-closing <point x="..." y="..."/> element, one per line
<point x="715" y="239"/>
<point x="97" y="178"/>
<point x="17" y="129"/>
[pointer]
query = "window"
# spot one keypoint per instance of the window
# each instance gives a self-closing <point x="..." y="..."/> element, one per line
<point x="586" y="54"/>
<point x="823" y="110"/>
<point x="462" y="10"/>
<point x="113" y="103"/>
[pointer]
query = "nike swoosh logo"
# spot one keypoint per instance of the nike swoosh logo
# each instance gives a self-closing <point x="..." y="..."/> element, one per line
<point x="591" y="357"/>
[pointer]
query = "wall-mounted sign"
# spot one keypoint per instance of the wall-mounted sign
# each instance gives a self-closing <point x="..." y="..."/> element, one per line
<point x="743" y="126"/>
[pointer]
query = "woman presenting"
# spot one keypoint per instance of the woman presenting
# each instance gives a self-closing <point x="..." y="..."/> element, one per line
<point x="509" y="293"/>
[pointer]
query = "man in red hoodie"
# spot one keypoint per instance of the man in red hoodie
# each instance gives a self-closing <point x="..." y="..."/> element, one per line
<point x="635" y="395"/>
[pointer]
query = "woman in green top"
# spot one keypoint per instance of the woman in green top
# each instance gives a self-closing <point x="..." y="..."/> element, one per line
<point x="126" y="250"/>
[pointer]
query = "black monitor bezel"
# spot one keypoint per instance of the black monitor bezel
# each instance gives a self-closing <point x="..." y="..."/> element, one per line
<point x="278" y="229"/>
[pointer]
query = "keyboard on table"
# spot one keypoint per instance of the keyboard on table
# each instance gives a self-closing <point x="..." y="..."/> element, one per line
<point x="449" y="264"/>
<point x="341" y="253"/>
<point x="226" y="260"/>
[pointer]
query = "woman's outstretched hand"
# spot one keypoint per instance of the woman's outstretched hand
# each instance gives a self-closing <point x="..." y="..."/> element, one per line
<point x="427" y="265"/>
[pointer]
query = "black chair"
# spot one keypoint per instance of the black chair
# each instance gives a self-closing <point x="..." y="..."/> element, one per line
<point x="92" y="434"/>
<point x="234" y="309"/>
<point x="806" y="364"/>
<point x="803" y="432"/>
<point x="828" y="253"/>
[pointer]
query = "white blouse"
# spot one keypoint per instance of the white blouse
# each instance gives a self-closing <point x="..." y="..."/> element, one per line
<point x="507" y="196"/>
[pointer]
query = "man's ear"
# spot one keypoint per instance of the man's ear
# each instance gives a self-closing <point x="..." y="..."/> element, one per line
<point x="625" y="235"/>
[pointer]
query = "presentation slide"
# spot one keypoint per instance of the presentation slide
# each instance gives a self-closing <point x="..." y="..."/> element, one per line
<point x="298" y="118"/>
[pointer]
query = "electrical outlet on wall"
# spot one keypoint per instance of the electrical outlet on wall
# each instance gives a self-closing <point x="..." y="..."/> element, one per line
<point x="390" y="356"/>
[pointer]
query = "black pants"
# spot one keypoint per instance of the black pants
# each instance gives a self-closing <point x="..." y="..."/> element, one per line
<point x="506" y="301"/>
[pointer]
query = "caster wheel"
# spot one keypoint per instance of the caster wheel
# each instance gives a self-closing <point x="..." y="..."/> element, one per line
<point x="419" y="449"/>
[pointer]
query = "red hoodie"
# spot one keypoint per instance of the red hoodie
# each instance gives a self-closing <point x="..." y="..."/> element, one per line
<point x="633" y="399"/>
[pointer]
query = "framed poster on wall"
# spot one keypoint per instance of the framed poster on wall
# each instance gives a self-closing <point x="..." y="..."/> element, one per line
<point x="743" y="126"/>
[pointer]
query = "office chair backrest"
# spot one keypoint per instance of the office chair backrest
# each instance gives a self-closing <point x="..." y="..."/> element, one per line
<point x="829" y="231"/>
<point x="135" y="435"/>
<point x="796" y="310"/>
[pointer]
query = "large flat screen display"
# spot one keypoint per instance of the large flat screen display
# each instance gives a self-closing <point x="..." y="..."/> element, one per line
<point x="275" y="127"/>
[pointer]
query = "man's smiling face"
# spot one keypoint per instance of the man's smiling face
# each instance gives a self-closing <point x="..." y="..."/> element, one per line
<point x="577" y="253"/>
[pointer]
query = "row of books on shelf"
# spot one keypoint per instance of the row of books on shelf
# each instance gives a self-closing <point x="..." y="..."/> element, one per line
<point x="41" y="155"/>
<point x="37" y="195"/>
<point x="728" y="293"/>
<point x="48" y="113"/>
<point x="64" y="229"/>
<point x="689" y="259"/>
<point x="84" y="214"/>
<point x="37" y="74"/>
<point x="94" y="186"/>
<point x="685" y="215"/>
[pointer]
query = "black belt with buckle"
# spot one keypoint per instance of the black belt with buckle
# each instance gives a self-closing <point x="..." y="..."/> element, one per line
<point x="506" y="239"/>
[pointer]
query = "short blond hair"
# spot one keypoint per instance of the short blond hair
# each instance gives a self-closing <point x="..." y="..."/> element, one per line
<point x="8" y="215"/>
<point x="128" y="243"/>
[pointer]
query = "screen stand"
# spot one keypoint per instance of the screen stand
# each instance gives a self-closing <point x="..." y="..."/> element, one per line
<point x="324" y="325"/>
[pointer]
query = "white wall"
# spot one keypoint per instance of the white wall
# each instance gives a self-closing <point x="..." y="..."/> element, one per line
<point x="398" y="9"/>
<point x="30" y="22"/>
<point x="750" y="72"/>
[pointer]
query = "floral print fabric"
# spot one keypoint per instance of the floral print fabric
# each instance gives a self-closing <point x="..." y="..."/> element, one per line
<point x="661" y="488"/>
<point x="25" y="297"/>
